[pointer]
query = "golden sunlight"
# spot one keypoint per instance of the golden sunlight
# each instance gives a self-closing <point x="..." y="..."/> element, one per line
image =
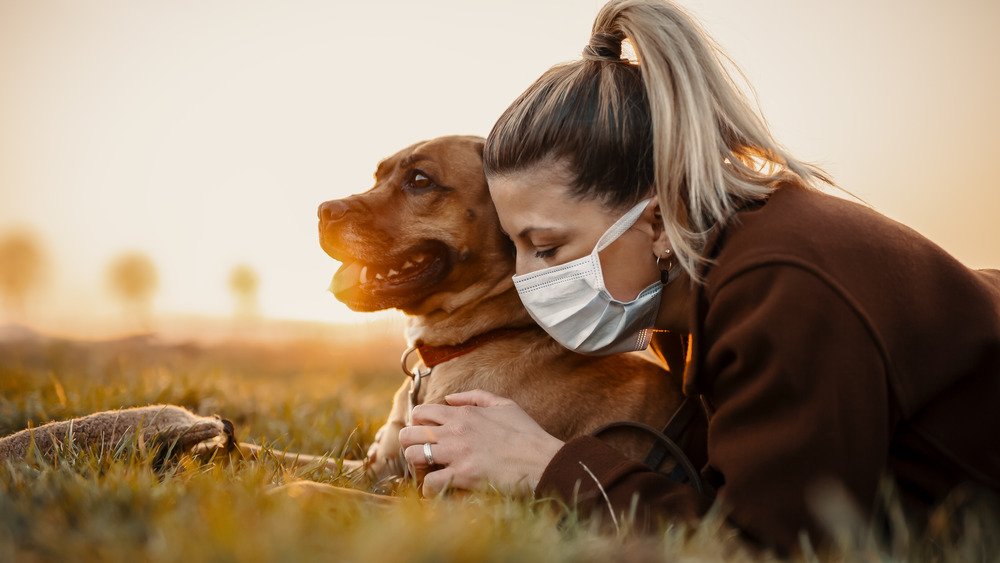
<point x="205" y="136"/>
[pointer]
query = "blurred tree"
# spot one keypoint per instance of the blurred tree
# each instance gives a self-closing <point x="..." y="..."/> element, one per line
<point x="244" y="283"/>
<point x="133" y="278"/>
<point x="22" y="267"/>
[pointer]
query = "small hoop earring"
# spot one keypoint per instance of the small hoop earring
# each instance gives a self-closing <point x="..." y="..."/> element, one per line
<point x="665" y="273"/>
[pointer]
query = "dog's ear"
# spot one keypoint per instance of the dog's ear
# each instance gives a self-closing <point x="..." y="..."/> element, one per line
<point x="480" y="144"/>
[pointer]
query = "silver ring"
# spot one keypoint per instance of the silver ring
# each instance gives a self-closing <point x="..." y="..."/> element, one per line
<point x="428" y="457"/>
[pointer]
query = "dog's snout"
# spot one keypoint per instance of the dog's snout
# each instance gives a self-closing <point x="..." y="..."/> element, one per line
<point x="334" y="210"/>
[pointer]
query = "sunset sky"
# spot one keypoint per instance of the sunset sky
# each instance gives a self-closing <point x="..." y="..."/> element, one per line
<point x="206" y="133"/>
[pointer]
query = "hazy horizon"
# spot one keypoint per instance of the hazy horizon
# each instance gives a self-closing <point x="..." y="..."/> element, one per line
<point x="206" y="134"/>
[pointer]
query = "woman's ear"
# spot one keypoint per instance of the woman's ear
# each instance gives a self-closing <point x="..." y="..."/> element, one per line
<point x="660" y="241"/>
<point x="649" y="220"/>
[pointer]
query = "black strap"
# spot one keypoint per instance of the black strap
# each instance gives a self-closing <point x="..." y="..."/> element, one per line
<point x="683" y="463"/>
<point x="673" y="430"/>
<point x="666" y="442"/>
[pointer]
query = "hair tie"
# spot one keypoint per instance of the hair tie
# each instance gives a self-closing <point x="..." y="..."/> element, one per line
<point x="603" y="47"/>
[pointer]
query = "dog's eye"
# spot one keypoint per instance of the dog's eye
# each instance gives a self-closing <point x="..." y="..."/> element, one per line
<point x="419" y="181"/>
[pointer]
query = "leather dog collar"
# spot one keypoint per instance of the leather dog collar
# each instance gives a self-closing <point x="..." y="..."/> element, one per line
<point x="434" y="355"/>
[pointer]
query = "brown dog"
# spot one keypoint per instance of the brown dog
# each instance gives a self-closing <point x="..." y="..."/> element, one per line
<point x="425" y="239"/>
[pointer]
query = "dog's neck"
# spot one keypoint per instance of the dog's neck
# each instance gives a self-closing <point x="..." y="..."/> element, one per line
<point x="489" y="308"/>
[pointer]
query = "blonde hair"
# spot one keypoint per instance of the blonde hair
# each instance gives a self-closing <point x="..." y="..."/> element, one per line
<point x="676" y="122"/>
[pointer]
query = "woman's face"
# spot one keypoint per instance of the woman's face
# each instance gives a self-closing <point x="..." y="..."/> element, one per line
<point x="550" y="227"/>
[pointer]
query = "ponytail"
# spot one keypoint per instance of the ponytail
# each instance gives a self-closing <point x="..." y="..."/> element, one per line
<point x="677" y="118"/>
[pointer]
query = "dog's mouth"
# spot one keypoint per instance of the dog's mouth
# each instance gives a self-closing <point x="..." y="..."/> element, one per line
<point x="394" y="282"/>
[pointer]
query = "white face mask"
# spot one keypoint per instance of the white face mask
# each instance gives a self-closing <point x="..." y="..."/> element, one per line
<point x="572" y="304"/>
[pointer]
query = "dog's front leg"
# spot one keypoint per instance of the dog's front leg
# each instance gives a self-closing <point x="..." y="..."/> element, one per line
<point x="385" y="456"/>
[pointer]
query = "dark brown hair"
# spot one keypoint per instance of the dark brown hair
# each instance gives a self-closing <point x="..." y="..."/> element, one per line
<point x="607" y="141"/>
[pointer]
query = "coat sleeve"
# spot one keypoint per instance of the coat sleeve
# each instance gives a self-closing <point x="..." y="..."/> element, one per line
<point x="800" y="397"/>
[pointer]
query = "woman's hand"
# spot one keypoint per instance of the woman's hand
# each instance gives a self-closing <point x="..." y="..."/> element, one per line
<point x="478" y="440"/>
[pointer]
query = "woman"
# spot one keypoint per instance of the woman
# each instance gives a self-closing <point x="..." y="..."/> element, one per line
<point x="827" y="343"/>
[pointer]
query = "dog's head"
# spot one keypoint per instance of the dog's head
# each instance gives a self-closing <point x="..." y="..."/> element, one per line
<point x="424" y="237"/>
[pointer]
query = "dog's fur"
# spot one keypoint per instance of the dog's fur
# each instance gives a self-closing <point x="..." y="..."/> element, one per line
<point x="431" y="199"/>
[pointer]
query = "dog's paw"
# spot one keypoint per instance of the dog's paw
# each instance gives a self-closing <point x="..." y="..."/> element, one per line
<point x="385" y="455"/>
<point x="371" y="457"/>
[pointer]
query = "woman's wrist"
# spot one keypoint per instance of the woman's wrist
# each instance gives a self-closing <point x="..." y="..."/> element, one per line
<point x="546" y="450"/>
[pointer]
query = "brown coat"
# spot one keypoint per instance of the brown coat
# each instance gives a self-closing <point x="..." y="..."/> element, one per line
<point x="829" y="342"/>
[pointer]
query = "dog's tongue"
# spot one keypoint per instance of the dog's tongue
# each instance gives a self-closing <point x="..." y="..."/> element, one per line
<point x="346" y="277"/>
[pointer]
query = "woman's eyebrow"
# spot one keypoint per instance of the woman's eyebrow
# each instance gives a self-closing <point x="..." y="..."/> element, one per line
<point x="528" y="230"/>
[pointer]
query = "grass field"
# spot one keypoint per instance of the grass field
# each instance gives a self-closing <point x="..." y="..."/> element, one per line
<point x="311" y="397"/>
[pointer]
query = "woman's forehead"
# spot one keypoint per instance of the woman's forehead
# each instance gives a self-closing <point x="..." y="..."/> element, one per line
<point x="527" y="190"/>
<point x="547" y="173"/>
<point x="521" y="205"/>
<point x="527" y="200"/>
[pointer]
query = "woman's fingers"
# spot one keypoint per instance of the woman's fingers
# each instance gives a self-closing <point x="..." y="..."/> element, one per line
<point x="412" y="435"/>
<point x="430" y="413"/>
<point x="416" y="457"/>
<point x="477" y="440"/>
<point x="477" y="398"/>
<point x="440" y="480"/>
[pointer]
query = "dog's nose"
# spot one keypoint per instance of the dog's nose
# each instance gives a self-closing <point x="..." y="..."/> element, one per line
<point x="333" y="210"/>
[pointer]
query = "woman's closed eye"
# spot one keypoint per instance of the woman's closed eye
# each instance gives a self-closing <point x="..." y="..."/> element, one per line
<point x="546" y="252"/>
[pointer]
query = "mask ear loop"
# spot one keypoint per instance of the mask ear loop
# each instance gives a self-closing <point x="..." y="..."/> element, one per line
<point x="619" y="227"/>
